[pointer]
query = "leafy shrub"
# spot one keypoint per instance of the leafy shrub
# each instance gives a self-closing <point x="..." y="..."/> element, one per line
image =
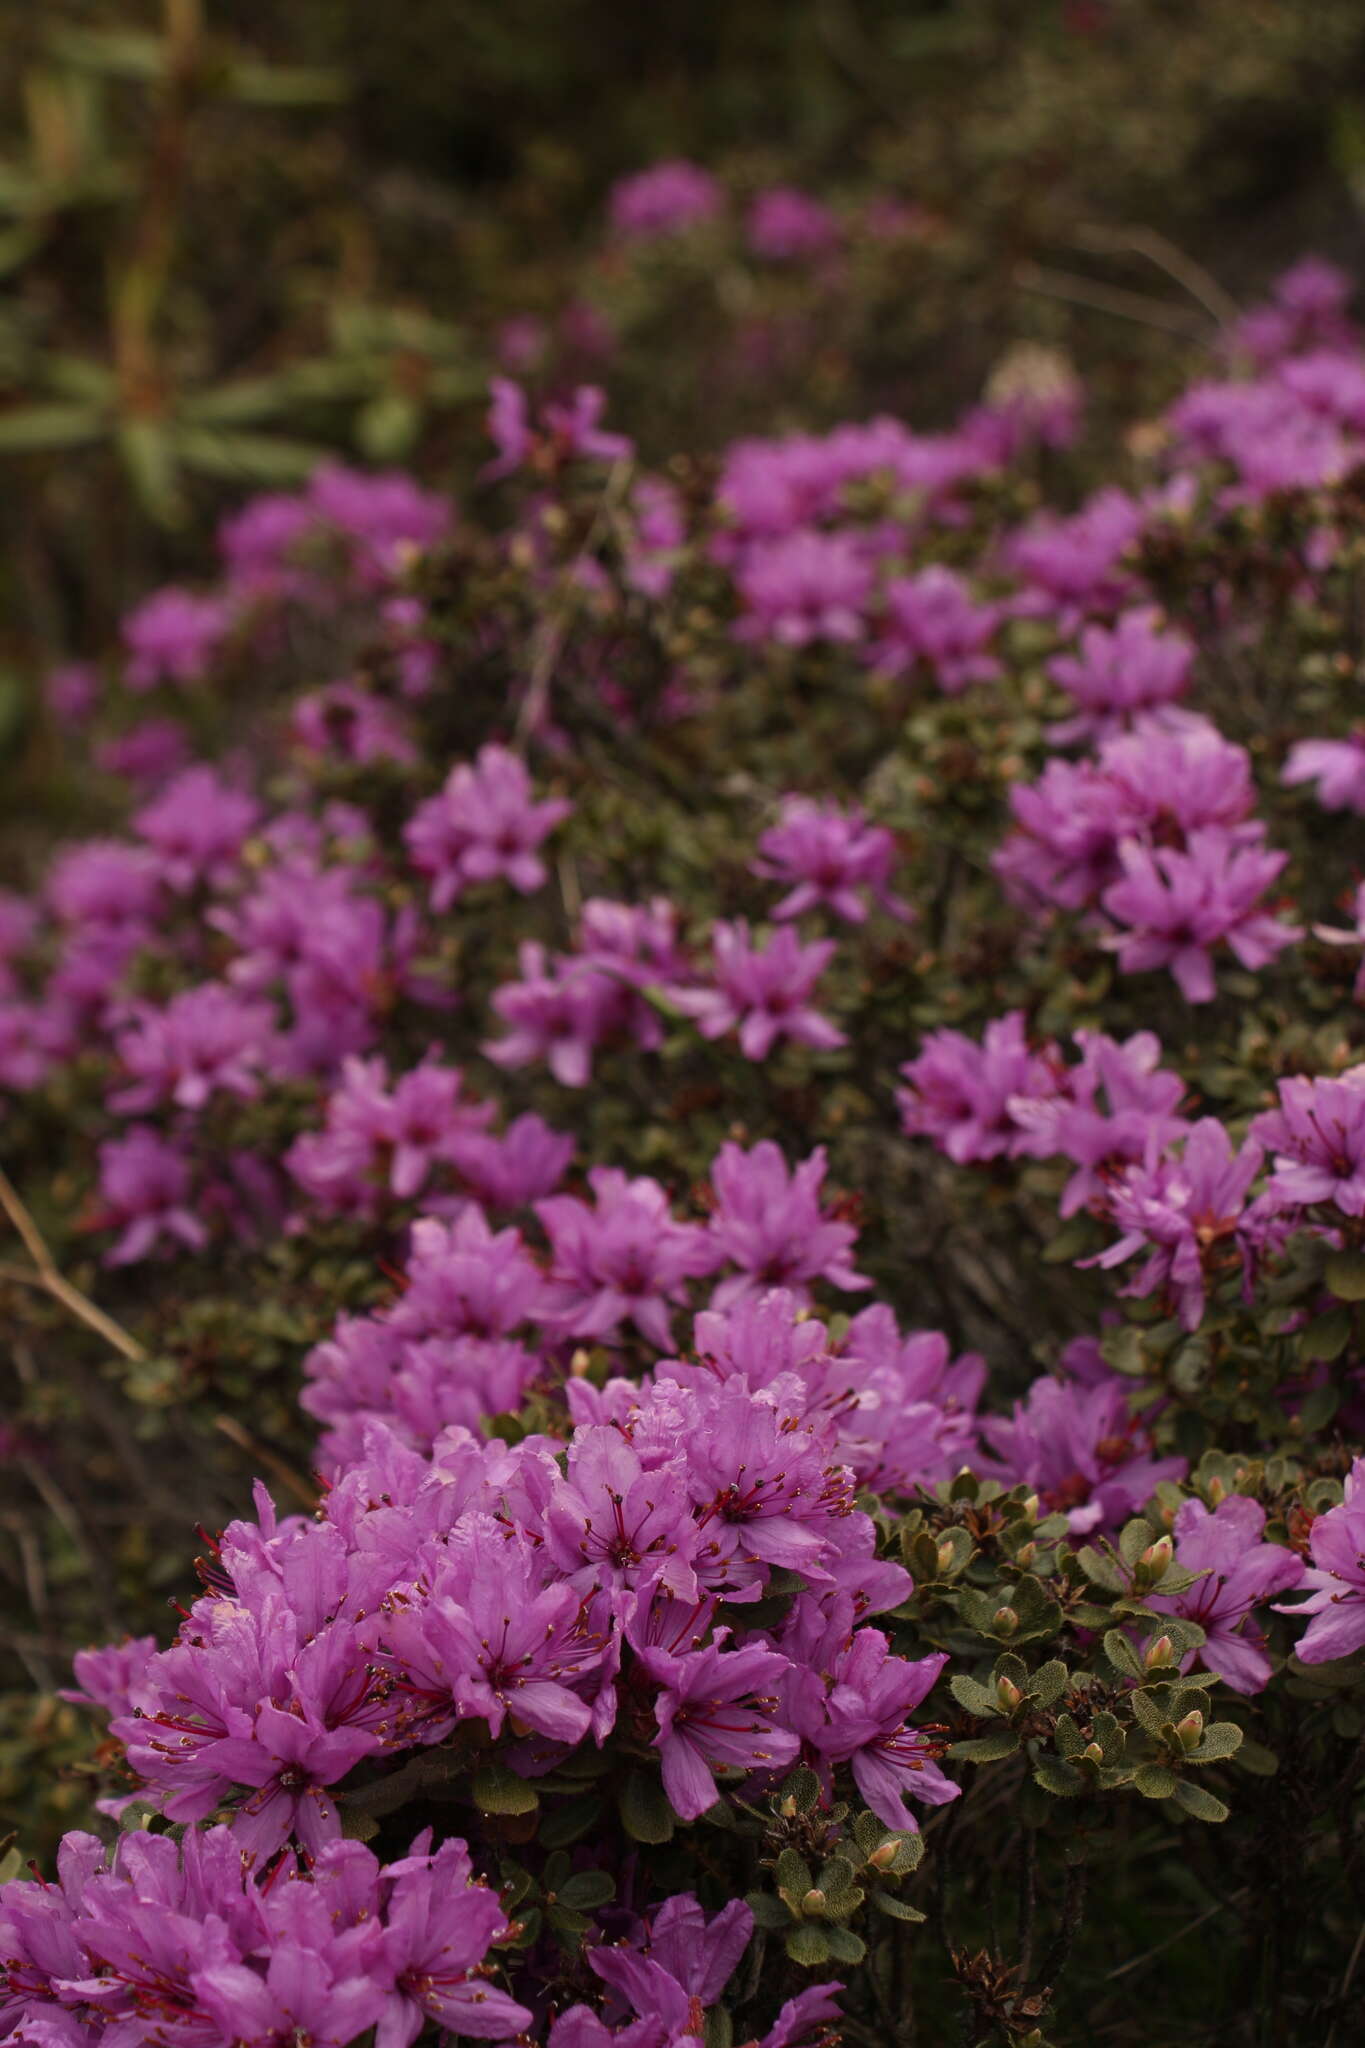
<point x="767" y="1045"/>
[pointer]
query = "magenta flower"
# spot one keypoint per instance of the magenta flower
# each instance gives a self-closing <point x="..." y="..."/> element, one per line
<point x="663" y="200"/>
<point x="289" y="1759"/>
<point x="768" y="1222"/>
<point x="484" y="826"/>
<point x="968" y="1097"/>
<point x="1185" y="1214"/>
<point x="932" y="618"/>
<point x="785" y="225"/>
<point x="614" y="1522"/>
<point x="197" y="827"/>
<point x="682" y="1963"/>
<point x="850" y="1698"/>
<point x="624" y="1259"/>
<point x="1178" y="906"/>
<point x="1081" y="1449"/>
<point x="1336" y="1578"/>
<point x="172" y="637"/>
<point x="1317" y="1136"/>
<point x="763" y="991"/>
<point x="1337" y="767"/>
<point x="351" y="724"/>
<point x="715" y="1709"/>
<point x="513" y="1168"/>
<point x="1109" y="1110"/>
<point x="438" y="1928"/>
<point x="1239" y="1574"/>
<point x="145" y="1192"/>
<point x="827" y="856"/>
<point x="1134" y="667"/>
<point x="803" y="587"/>
<point x="206" y="1040"/>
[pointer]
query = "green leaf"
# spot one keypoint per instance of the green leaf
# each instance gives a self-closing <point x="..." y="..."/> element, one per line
<point x="808" y="1945"/>
<point x="844" y="1945"/>
<point x="894" y="1908"/>
<point x="1154" y="1781"/>
<point x="495" y="1789"/>
<point x="1221" y="1739"/>
<point x="1198" y="1803"/>
<point x="1256" y="1758"/>
<point x="31" y="428"/>
<point x="1326" y="1336"/>
<point x="978" y="1699"/>
<point x="1061" y="1779"/>
<point x="1345" y="1275"/>
<point x="570" y="1822"/>
<point x="588" y="1890"/>
<point x="645" y="1813"/>
<point x="767" y="1911"/>
<point x="248" y="458"/>
<point x="987" y="1749"/>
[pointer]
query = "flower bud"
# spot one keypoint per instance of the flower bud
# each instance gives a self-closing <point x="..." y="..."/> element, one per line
<point x="1031" y="1507"/>
<point x="1094" y="1752"/>
<point x="788" y="1808"/>
<point x="1159" y="1654"/>
<point x="1157" y="1556"/>
<point x="1004" y="1621"/>
<point x="1008" y="1694"/>
<point x="814" y="1902"/>
<point x="1217" y="1491"/>
<point x="883" y="1857"/>
<point x="1191" y="1729"/>
<point x="1025" y="1555"/>
<point x="946" y="1554"/>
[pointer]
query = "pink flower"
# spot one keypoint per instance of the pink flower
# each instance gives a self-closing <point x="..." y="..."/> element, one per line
<point x="763" y="991"/>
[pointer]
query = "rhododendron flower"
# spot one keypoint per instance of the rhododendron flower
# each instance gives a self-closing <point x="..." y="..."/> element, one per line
<point x="1134" y="667"/>
<point x="1317" y="1136"/>
<point x="1238" y="1574"/>
<point x="1337" y="767"/>
<point x="173" y="637"/>
<point x="715" y="1709"/>
<point x="785" y="224"/>
<point x="965" y="1096"/>
<point x="197" y="827"/>
<point x="806" y="586"/>
<point x="206" y="1039"/>
<point x="663" y="200"/>
<point x="626" y="1258"/>
<point x="1185" y="1214"/>
<point x="1177" y="906"/>
<point x="762" y="991"/>
<point x="768" y="1222"/>
<point x="485" y="825"/>
<point x="828" y="856"/>
<point x="1335" y="1580"/>
<point x="932" y="617"/>
<point x="145" y="1191"/>
<point x="1082" y="1449"/>
<point x="438" y="1928"/>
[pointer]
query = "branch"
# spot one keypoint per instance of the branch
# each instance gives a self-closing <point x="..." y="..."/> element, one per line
<point x="50" y="1280"/>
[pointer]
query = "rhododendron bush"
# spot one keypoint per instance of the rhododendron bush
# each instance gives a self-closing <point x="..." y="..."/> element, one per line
<point x="738" y="1090"/>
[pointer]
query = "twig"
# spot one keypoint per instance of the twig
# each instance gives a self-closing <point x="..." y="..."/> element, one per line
<point x="1183" y="269"/>
<point x="550" y="642"/>
<point x="1346" y="1980"/>
<point x="1107" y="298"/>
<point x="51" y="1280"/>
<point x="1138" y="1962"/>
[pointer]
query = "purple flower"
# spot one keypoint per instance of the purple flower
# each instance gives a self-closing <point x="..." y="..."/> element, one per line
<point x="768" y="1222"/>
<point x="558" y="1012"/>
<point x="1337" y="767"/>
<point x="967" y="1097"/>
<point x="626" y="1258"/>
<point x="173" y="637"/>
<point x="484" y="825"/>
<point x="663" y="200"/>
<point x="682" y="1962"/>
<point x="1177" y="906"/>
<point x="438" y="1928"/>
<point x="351" y="724"/>
<point x="145" y="1192"/>
<point x="1317" y="1136"/>
<point x="802" y="587"/>
<point x="932" y="617"/>
<point x="1074" y="563"/>
<point x="511" y="1169"/>
<point x="288" y="1760"/>
<point x="1111" y="1108"/>
<point x="1240" y="1573"/>
<point x="206" y="1040"/>
<point x="763" y="991"/>
<point x="850" y="1698"/>
<point x="828" y="856"/>
<point x="1134" y="667"/>
<point x="106" y="884"/>
<point x="1185" y="1214"/>
<point x="1336" y="1578"/>
<point x="614" y="1522"/>
<point x="1081" y="1449"/>
<point x="197" y="827"/>
<point x="786" y="225"/>
<point x="715" y="1709"/>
